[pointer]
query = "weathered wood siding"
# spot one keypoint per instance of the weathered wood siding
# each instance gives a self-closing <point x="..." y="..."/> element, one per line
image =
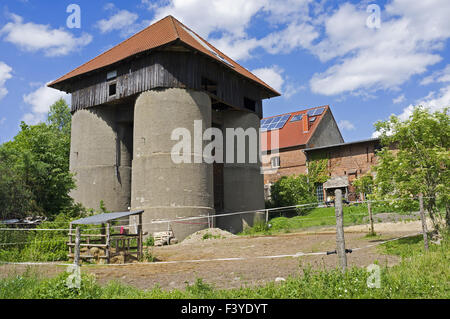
<point x="166" y="69"/>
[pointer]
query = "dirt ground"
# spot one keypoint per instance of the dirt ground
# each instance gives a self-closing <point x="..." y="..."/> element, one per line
<point x="191" y="261"/>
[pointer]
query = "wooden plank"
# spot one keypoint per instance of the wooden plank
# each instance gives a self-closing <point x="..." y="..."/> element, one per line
<point x="166" y="70"/>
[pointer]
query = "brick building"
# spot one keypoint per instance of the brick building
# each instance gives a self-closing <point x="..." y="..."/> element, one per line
<point x="296" y="131"/>
<point x="346" y="162"/>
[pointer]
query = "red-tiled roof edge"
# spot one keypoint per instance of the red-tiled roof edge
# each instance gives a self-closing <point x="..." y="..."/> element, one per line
<point x="297" y="112"/>
<point x="103" y="53"/>
<point x="310" y="133"/>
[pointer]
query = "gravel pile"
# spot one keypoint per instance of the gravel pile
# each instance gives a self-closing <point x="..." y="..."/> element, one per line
<point x="207" y="235"/>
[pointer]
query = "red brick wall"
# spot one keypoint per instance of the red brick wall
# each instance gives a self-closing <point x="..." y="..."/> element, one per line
<point x="292" y="162"/>
<point x="353" y="160"/>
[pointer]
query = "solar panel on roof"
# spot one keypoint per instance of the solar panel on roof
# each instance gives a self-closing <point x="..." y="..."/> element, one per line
<point x="311" y="112"/>
<point x="312" y="119"/>
<point x="297" y="118"/>
<point x="319" y="111"/>
<point x="274" y="123"/>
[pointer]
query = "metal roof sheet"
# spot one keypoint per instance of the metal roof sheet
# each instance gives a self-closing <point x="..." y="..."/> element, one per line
<point x="336" y="182"/>
<point x="104" y="218"/>
<point x="376" y="139"/>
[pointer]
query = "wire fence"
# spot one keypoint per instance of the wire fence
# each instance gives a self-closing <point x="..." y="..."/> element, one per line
<point x="49" y="245"/>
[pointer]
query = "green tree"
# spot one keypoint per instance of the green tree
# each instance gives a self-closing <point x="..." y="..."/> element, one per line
<point x="364" y="184"/>
<point x="59" y="117"/>
<point x="420" y="161"/>
<point x="300" y="189"/>
<point x="34" y="167"/>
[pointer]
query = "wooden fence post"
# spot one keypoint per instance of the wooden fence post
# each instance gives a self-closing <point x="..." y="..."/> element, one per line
<point x="424" y="222"/>
<point x="369" y="208"/>
<point x="108" y="243"/>
<point x="340" y="241"/>
<point x="76" y="259"/>
<point x="140" y="238"/>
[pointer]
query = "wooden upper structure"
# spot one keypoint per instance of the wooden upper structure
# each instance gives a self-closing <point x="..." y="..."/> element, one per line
<point x="166" y="54"/>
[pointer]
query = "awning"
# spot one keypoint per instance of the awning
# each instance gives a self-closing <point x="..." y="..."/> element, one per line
<point x="104" y="218"/>
<point x="336" y="182"/>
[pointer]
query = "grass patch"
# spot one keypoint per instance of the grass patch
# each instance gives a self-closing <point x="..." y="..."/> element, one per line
<point x="211" y="236"/>
<point x="420" y="275"/>
<point x="323" y="216"/>
<point x="407" y="247"/>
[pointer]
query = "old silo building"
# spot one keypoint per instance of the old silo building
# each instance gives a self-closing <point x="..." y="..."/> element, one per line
<point x="126" y="103"/>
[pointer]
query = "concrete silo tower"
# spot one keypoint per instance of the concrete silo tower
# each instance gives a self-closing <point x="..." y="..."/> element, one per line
<point x="127" y="102"/>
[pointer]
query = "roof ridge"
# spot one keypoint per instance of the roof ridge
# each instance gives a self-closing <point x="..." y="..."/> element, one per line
<point x="174" y="26"/>
<point x="292" y="113"/>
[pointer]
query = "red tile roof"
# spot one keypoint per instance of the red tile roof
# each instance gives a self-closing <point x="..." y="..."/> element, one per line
<point x="293" y="133"/>
<point x="163" y="32"/>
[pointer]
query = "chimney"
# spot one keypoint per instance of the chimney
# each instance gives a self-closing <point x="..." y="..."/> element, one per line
<point x="305" y="121"/>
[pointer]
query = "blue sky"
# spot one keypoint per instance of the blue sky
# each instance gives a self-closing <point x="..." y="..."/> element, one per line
<point x="364" y="65"/>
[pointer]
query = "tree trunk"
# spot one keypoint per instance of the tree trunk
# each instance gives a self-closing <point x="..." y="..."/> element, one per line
<point x="447" y="215"/>
<point x="424" y="223"/>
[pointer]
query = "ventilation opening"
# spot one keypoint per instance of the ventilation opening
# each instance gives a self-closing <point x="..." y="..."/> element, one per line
<point x="209" y="86"/>
<point x="249" y="104"/>
<point x="112" y="89"/>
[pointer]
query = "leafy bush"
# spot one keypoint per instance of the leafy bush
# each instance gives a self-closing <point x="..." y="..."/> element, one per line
<point x="291" y="191"/>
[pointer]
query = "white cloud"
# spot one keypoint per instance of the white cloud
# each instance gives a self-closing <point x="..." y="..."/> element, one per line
<point x="123" y="21"/>
<point x="40" y="101"/>
<point x="399" y="99"/>
<point x="273" y="76"/>
<point x="434" y="101"/>
<point x="372" y="59"/>
<point x="361" y="60"/>
<point x="346" y="125"/>
<point x="232" y="18"/>
<point x="38" y="37"/>
<point x="441" y="76"/>
<point x="5" y="74"/>
<point x="2" y="121"/>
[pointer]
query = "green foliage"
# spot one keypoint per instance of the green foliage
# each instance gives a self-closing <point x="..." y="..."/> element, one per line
<point x="148" y="256"/>
<point x="37" y="245"/>
<point x="59" y="117"/>
<point x="150" y="241"/>
<point x="318" y="171"/>
<point x="34" y="168"/>
<point x="259" y="228"/>
<point x="297" y="190"/>
<point x="364" y="184"/>
<point x="291" y="191"/>
<point x="321" y="216"/>
<point x="421" y="161"/>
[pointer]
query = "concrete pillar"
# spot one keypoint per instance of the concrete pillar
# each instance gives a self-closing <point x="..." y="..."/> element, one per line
<point x="98" y="157"/>
<point x="243" y="182"/>
<point x="166" y="190"/>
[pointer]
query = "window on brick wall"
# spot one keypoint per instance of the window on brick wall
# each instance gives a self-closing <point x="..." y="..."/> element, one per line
<point x="319" y="192"/>
<point x="275" y="162"/>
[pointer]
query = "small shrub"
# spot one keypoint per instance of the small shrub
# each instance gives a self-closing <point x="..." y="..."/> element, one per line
<point x="150" y="241"/>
